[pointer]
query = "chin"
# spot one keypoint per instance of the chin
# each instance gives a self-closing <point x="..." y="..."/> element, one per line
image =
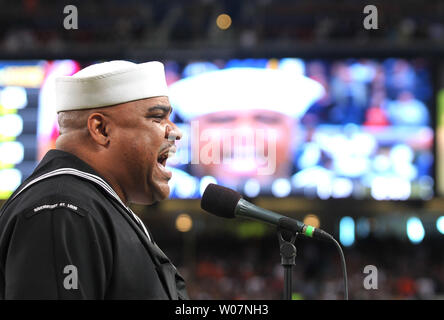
<point x="159" y="193"/>
<point x="164" y="195"/>
<point x="152" y="192"/>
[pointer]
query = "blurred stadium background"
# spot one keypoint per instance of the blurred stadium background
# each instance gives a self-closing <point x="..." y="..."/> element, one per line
<point x="377" y="188"/>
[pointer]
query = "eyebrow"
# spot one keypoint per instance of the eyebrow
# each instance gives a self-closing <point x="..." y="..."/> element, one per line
<point x="165" y="108"/>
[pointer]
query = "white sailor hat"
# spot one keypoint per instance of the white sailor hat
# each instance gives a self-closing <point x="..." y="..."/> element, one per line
<point x="110" y="83"/>
<point x="244" y="88"/>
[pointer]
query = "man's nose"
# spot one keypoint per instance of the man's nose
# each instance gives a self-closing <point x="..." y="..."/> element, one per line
<point x="173" y="132"/>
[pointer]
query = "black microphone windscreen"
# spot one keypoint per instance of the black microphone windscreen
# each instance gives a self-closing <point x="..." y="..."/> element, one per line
<point x="220" y="201"/>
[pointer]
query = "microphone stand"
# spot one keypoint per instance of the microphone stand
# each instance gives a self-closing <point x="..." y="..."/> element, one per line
<point x="288" y="255"/>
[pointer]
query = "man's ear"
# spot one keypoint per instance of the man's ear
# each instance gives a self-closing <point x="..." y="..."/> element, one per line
<point x="98" y="127"/>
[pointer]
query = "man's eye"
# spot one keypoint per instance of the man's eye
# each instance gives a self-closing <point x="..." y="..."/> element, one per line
<point x="157" y="117"/>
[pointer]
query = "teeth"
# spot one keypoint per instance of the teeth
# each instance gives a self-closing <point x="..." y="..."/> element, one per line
<point x="165" y="155"/>
<point x="171" y="152"/>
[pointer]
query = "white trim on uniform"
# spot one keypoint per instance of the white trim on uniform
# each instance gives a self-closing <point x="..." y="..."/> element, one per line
<point x="91" y="177"/>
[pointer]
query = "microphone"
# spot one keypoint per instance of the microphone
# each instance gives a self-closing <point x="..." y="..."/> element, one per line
<point x="227" y="203"/>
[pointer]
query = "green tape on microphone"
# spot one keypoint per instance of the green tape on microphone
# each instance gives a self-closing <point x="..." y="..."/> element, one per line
<point x="309" y="231"/>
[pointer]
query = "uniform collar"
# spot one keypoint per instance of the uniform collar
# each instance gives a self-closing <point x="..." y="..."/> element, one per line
<point x="58" y="162"/>
<point x="57" y="159"/>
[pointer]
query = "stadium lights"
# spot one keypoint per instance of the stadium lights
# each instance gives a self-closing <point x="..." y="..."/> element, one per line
<point x="347" y="231"/>
<point x="415" y="230"/>
<point x="440" y="224"/>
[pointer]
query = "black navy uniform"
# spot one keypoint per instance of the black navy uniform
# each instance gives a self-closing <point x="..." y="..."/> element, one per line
<point x="65" y="234"/>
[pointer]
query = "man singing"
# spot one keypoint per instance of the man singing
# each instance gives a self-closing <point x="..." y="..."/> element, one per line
<point x="67" y="232"/>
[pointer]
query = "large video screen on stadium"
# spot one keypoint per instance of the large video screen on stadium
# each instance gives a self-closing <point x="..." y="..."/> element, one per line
<point x="440" y="131"/>
<point x="27" y="117"/>
<point x="344" y="128"/>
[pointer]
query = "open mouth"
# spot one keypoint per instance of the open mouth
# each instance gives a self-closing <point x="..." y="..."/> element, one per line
<point x="162" y="159"/>
<point x="163" y="156"/>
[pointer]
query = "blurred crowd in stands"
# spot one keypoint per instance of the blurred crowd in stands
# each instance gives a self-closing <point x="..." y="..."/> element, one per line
<point x="366" y="92"/>
<point x="252" y="270"/>
<point x="38" y="24"/>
